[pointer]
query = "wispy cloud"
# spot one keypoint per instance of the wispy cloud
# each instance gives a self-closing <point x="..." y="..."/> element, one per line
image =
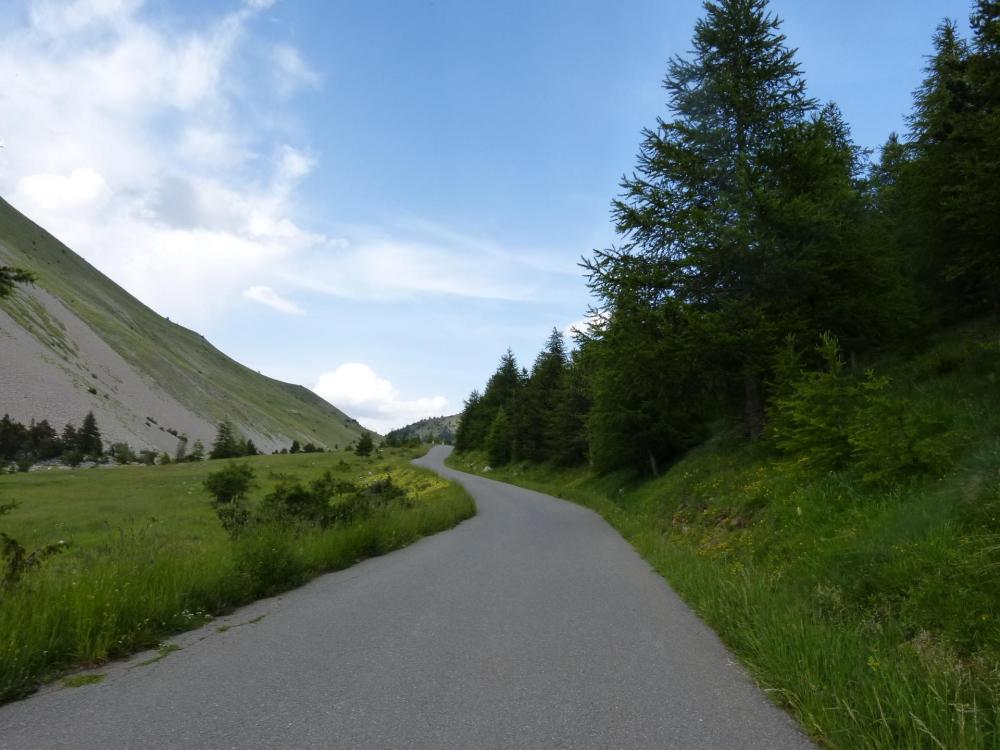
<point x="131" y="141"/>
<point x="122" y="138"/>
<point x="265" y="295"/>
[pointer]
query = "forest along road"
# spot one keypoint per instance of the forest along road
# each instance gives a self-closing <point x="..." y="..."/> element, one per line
<point x="532" y="625"/>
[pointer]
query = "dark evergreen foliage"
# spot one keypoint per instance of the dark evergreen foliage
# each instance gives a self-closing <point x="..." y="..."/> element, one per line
<point x="752" y="220"/>
<point x="365" y="445"/>
<point x="10" y="277"/>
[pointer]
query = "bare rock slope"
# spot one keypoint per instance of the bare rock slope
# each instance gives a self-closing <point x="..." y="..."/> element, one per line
<point x="76" y="342"/>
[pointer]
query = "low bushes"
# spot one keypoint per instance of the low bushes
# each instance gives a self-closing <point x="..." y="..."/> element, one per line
<point x="140" y="583"/>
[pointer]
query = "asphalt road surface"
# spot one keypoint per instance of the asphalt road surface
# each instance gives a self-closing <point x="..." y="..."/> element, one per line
<point x="533" y="625"/>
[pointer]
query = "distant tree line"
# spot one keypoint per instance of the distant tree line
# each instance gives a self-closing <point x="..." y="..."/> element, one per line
<point x="753" y="232"/>
<point x="39" y="441"/>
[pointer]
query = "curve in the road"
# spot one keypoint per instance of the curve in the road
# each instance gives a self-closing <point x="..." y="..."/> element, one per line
<point x="532" y="625"/>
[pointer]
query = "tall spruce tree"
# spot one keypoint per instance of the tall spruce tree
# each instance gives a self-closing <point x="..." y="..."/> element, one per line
<point x="88" y="438"/>
<point x="742" y="217"/>
<point x="227" y="442"/>
<point x="503" y="387"/>
<point x="692" y="211"/>
<point x="499" y="439"/>
<point x="567" y="425"/>
<point x="532" y="428"/>
<point x="953" y="179"/>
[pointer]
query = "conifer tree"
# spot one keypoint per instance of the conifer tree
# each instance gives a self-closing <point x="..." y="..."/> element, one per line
<point x="89" y="437"/>
<point x="531" y="425"/>
<point x="365" y="445"/>
<point x="502" y="390"/>
<point x="10" y="277"/>
<point x="197" y="452"/>
<point x="568" y="414"/>
<point x="953" y="180"/>
<point x="227" y="442"/>
<point x="744" y="216"/>
<point x="498" y="441"/>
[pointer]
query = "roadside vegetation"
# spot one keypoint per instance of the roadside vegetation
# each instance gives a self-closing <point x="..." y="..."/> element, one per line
<point x="129" y="556"/>
<point x="860" y="586"/>
<point x="786" y="394"/>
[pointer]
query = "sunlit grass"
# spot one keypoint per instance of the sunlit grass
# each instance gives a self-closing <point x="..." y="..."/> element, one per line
<point x="147" y="556"/>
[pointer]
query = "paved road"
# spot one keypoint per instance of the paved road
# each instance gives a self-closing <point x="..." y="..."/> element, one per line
<point x="533" y="625"/>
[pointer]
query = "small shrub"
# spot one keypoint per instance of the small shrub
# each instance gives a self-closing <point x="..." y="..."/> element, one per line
<point x="293" y="502"/>
<point x="229" y="487"/>
<point x="813" y="411"/>
<point x="890" y="440"/>
<point x="122" y="453"/>
<point x="72" y="458"/>
<point x="17" y="560"/>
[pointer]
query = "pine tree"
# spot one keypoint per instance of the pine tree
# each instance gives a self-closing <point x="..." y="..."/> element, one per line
<point x="13" y="436"/>
<point x="365" y="445"/>
<point x="197" y="452"/>
<point x="480" y="410"/>
<point x="89" y="437"/>
<point x="498" y="441"/>
<point x="567" y="417"/>
<point x="70" y="438"/>
<point x="469" y="428"/>
<point x="227" y="442"/>
<point x="532" y="429"/>
<point x="180" y="453"/>
<point x="953" y="181"/>
<point x="10" y="277"/>
<point x="744" y="215"/>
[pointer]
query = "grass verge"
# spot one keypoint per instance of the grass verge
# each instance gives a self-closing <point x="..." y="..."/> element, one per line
<point x="122" y="588"/>
<point x="880" y="669"/>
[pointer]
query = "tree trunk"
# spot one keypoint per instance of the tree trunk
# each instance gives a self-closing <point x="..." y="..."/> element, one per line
<point x="652" y="463"/>
<point x="754" y="407"/>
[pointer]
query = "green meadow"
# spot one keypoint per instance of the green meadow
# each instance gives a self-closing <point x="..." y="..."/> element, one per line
<point x="146" y="556"/>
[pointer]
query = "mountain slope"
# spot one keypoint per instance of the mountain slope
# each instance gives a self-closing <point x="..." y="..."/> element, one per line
<point x="432" y="429"/>
<point x="76" y="341"/>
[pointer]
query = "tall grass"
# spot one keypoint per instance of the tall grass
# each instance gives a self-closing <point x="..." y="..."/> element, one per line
<point x="141" y="583"/>
<point x="852" y="680"/>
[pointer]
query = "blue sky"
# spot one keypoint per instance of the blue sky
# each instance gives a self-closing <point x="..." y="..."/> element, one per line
<point x="375" y="198"/>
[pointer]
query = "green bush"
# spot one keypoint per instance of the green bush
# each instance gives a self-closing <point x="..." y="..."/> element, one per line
<point x="229" y="486"/>
<point x="890" y="439"/>
<point x="811" y="415"/>
<point x="122" y="453"/>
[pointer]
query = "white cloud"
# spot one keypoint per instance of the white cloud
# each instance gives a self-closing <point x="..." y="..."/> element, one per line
<point x="265" y="295"/>
<point x="123" y="139"/>
<point x="374" y="401"/>
<point x="132" y="143"/>
<point x="81" y="189"/>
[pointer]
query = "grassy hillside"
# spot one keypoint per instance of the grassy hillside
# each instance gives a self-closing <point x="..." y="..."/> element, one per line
<point x="432" y="429"/>
<point x="178" y="361"/>
<point x="147" y="556"/>
<point x="869" y="604"/>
